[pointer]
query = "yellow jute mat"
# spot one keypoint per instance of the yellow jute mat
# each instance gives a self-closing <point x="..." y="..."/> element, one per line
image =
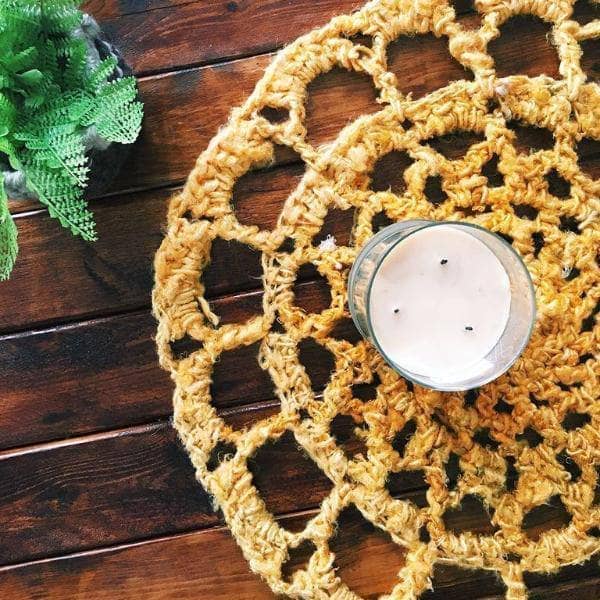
<point x="528" y="439"/>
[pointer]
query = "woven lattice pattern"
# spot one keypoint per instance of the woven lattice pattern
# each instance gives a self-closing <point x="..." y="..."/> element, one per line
<point x="519" y="442"/>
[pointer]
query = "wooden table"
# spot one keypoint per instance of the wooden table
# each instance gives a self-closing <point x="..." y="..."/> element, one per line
<point x="97" y="498"/>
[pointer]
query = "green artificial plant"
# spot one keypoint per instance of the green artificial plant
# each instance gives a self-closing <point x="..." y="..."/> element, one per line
<point x="52" y="98"/>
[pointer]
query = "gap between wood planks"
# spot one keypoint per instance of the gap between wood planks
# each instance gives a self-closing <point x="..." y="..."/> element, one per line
<point x="166" y="35"/>
<point x="221" y="26"/>
<point x="104" y="374"/>
<point x="131" y="429"/>
<point x="207" y="94"/>
<point x="354" y="546"/>
<point x="163" y="36"/>
<point x="132" y="487"/>
<point x="139" y="483"/>
<point x="90" y="400"/>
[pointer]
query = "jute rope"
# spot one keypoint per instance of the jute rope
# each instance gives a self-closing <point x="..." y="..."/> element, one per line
<point x="556" y="377"/>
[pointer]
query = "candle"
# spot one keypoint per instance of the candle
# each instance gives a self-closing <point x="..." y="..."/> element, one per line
<point x="439" y="302"/>
<point x="449" y="305"/>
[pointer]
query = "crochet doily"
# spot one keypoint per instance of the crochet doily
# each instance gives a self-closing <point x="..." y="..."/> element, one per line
<point x="527" y="439"/>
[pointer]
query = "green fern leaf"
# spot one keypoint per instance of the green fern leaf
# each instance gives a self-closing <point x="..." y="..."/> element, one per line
<point x="8" y="115"/>
<point x="6" y="147"/>
<point x="8" y="236"/>
<point x="124" y="125"/>
<point x="99" y="76"/>
<point x="31" y="79"/>
<point x="74" y="56"/>
<point x="116" y="114"/>
<point x="64" y="201"/>
<point x="60" y="148"/>
<point x="53" y="105"/>
<point x="58" y="16"/>
<point x="23" y="60"/>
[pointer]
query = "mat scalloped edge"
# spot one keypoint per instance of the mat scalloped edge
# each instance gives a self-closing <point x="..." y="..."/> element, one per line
<point x="527" y="439"/>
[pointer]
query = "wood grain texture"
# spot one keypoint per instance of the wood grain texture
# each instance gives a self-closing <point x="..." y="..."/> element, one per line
<point x="221" y="573"/>
<point x="160" y="35"/>
<point x="85" y="377"/>
<point x="103" y="374"/>
<point x="175" y="132"/>
<point x="167" y="37"/>
<point x="134" y="484"/>
<point x="58" y="276"/>
<point x="581" y="590"/>
<point x="103" y="9"/>
<point x="65" y="278"/>
<point x="180" y="568"/>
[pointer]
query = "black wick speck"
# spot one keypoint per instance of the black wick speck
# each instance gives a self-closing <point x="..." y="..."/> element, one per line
<point x="443" y="261"/>
<point x="469" y="328"/>
<point x="396" y="311"/>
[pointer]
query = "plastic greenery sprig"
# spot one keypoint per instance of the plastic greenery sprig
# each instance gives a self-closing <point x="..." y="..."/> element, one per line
<point x="8" y="236"/>
<point x="50" y="100"/>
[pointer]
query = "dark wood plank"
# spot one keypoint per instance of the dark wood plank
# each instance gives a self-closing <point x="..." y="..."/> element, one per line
<point x="70" y="279"/>
<point x="176" y="131"/>
<point x="92" y="376"/>
<point x="587" y="570"/>
<point x="159" y="35"/>
<point x="129" y="485"/>
<point x="115" y="273"/>
<point x="103" y="374"/>
<point x="159" y="569"/>
<point x="67" y="278"/>
<point x="518" y="36"/>
<point x="183" y="111"/>
<point x="175" y="35"/>
<point x="582" y="590"/>
<point x="58" y="276"/>
<point x="105" y="9"/>
<point x="113" y="488"/>
<point x="64" y="278"/>
<point x="191" y="566"/>
<point x="135" y="484"/>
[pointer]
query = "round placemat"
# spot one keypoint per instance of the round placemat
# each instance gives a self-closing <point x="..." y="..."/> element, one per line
<point x="528" y="439"/>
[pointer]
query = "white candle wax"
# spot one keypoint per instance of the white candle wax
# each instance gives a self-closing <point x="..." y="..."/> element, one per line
<point x="439" y="303"/>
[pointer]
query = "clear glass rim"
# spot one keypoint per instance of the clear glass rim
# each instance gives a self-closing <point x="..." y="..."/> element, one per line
<point x="415" y="378"/>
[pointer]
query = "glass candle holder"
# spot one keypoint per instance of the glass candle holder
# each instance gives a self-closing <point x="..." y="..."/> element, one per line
<point x="448" y="305"/>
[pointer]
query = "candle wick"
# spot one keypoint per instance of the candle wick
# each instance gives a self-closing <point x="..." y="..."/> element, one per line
<point x="396" y="311"/>
<point x="469" y="328"/>
<point x="443" y="261"/>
